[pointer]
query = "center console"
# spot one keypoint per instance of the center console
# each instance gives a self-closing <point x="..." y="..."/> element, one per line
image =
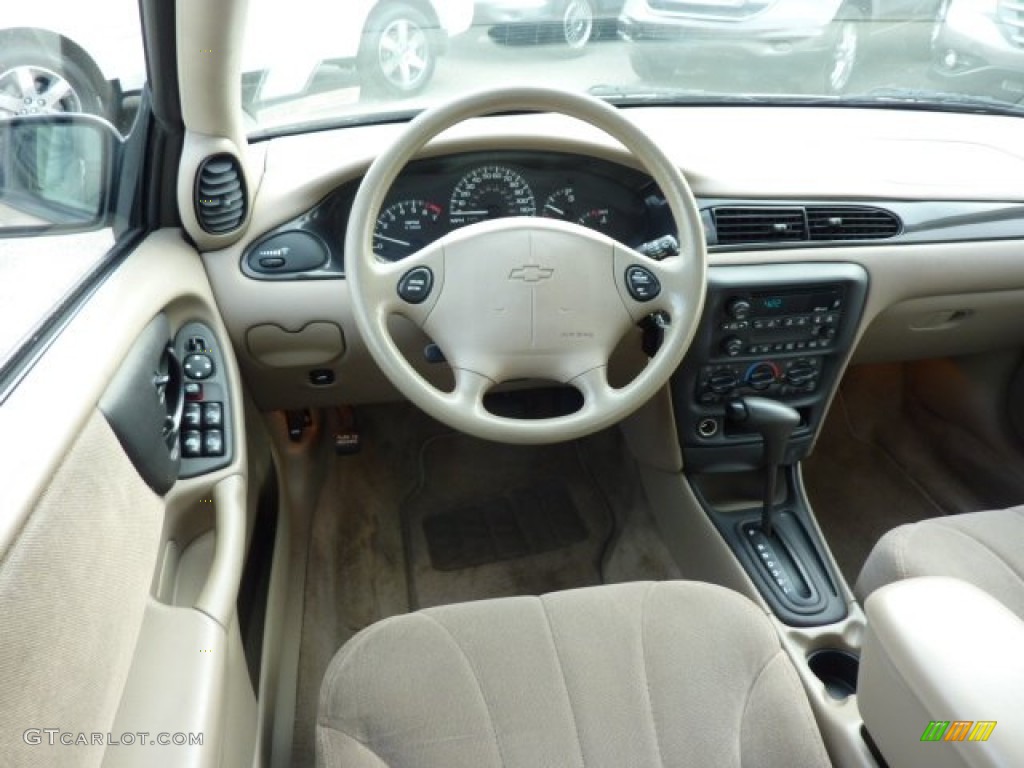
<point x="779" y="333"/>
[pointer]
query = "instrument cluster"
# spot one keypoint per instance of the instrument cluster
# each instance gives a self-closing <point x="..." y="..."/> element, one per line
<point x="434" y="196"/>
<point x="426" y="205"/>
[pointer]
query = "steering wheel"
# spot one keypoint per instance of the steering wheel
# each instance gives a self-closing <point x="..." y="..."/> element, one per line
<point x="526" y="298"/>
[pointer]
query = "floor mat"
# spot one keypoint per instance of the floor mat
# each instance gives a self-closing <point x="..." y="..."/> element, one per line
<point x="523" y="521"/>
<point x="464" y="541"/>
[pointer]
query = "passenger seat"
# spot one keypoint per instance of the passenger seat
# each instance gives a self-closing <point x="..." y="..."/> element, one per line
<point x="985" y="549"/>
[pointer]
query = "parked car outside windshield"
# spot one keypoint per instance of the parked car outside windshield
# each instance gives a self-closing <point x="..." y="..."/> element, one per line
<point x="844" y="52"/>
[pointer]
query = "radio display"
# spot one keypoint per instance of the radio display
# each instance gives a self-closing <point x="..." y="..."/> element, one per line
<point x="769" y="304"/>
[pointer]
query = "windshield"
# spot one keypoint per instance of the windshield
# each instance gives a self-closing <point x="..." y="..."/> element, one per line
<point x="378" y="58"/>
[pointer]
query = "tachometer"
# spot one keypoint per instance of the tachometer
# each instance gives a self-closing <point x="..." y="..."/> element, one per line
<point x="405" y="227"/>
<point x="490" y="192"/>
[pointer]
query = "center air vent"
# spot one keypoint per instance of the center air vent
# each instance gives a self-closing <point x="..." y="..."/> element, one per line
<point x="850" y="222"/>
<point x="220" y="199"/>
<point x="759" y="224"/>
<point x="750" y="225"/>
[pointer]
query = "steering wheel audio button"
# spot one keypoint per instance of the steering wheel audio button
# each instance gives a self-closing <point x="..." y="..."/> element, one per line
<point x="415" y="285"/>
<point x="642" y="284"/>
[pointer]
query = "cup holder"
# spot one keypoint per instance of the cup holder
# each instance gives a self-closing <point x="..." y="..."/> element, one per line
<point x="837" y="670"/>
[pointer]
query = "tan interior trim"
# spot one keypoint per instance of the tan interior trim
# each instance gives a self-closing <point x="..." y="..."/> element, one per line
<point x="220" y="593"/>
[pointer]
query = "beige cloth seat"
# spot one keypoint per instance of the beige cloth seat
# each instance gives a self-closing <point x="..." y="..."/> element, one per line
<point x="985" y="549"/>
<point x="642" y="674"/>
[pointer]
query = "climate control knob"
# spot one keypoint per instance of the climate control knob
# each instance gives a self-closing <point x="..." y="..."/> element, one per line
<point x="722" y="381"/>
<point x="761" y="375"/>
<point x="801" y="373"/>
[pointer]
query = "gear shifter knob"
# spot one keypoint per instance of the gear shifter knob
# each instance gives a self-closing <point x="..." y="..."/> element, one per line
<point x="775" y="422"/>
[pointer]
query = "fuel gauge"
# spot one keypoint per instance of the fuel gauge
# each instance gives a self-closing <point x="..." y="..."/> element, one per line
<point x="561" y="204"/>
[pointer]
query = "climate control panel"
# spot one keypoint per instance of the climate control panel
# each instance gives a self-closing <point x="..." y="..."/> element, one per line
<point x="766" y="378"/>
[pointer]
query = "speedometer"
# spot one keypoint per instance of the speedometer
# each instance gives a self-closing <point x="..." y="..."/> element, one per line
<point x="490" y="192"/>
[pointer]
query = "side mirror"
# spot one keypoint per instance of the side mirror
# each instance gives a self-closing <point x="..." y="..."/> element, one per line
<point x="56" y="173"/>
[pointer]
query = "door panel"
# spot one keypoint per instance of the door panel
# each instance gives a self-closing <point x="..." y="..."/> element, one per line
<point x="73" y="590"/>
<point x="93" y="641"/>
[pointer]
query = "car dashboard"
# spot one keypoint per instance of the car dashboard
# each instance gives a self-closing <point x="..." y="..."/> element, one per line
<point x="939" y="255"/>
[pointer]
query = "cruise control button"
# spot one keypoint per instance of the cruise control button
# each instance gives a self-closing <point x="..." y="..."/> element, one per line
<point x="198" y="366"/>
<point x="415" y="285"/>
<point x="642" y="284"/>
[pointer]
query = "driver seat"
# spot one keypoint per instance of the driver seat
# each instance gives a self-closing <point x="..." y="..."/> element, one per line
<point x="639" y="674"/>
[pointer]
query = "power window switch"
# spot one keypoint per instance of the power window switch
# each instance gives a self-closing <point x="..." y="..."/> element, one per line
<point x="213" y="415"/>
<point x="193" y="390"/>
<point x="191" y="444"/>
<point x="213" y="442"/>
<point x="192" y="416"/>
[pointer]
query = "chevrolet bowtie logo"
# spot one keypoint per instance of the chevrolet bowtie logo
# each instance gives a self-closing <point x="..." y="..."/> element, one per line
<point x="531" y="273"/>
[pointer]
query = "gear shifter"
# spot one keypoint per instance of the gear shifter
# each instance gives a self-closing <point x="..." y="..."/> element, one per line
<point x="775" y="422"/>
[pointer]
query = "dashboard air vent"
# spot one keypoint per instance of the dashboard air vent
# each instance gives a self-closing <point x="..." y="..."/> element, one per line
<point x="220" y="198"/>
<point x="851" y="222"/>
<point x="765" y="224"/>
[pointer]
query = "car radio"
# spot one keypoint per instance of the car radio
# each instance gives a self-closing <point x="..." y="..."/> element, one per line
<point x="766" y="322"/>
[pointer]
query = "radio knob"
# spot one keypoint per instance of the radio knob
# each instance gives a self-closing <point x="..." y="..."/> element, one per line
<point x="738" y="308"/>
<point x="825" y="332"/>
<point x="732" y="345"/>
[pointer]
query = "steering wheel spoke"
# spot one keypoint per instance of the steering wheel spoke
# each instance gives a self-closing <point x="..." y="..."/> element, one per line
<point x="598" y="395"/>
<point x="469" y="391"/>
<point x="648" y="286"/>
<point x="410" y="287"/>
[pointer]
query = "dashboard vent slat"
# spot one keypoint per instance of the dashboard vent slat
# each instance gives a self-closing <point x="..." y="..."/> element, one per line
<point x="759" y="224"/>
<point x="220" y="199"/>
<point x="845" y="222"/>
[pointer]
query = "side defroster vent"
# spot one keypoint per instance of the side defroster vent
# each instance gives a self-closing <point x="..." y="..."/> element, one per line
<point x="850" y="222"/>
<point x="220" y="198"/>
<point x="768" y="224"/>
